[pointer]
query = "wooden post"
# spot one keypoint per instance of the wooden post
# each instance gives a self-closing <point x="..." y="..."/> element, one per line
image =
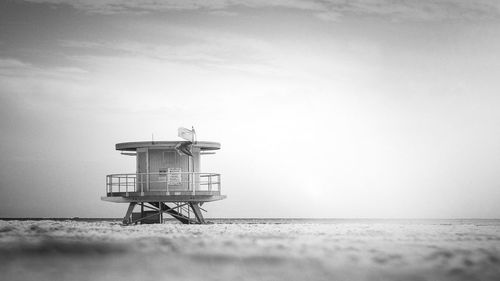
<point x="127" y="218"/>
<point x="218" y="183"/>
<point x="167" y="177"/>
<point x="147" y="169"/>
<point x="142" y="184"/>
<point x="142" y="211"/>
<point x="160" y="212"/>
<point x="197" y="212"/>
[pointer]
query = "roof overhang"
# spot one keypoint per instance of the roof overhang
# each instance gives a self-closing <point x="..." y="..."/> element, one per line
<point x="133" y="146"/>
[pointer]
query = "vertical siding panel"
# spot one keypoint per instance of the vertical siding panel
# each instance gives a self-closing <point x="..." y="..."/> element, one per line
<point x="141" y="168"/>
<point x="155" y="163"/>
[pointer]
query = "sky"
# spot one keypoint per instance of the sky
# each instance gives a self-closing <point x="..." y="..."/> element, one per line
<point x="324" y="109"/>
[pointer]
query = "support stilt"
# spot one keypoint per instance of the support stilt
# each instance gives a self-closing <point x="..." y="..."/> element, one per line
<point x="180" y="212"/>
<point x="164" y="208"/>
<point x="160" y="213"/>
<point x="197" y="212"/>
<point x="127" y="219"/>
<point x="142" y="211"/>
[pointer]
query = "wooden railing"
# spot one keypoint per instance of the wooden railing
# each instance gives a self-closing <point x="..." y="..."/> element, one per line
<point x="172" y="183"/>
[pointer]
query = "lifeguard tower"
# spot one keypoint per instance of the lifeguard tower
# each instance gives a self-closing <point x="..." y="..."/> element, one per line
<point x="167" y="180"/>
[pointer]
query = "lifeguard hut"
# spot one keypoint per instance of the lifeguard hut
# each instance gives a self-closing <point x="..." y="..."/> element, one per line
<point x="167" y="180"/>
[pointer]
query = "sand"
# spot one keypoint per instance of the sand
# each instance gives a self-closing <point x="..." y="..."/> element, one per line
<point x="251" y="250"/>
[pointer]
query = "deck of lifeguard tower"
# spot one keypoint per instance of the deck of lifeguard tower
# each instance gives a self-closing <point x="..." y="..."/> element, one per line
<point x="159" y="180"/>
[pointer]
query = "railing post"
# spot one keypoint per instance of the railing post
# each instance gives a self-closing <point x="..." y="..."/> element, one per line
<point x="167" y="176"/>
<point x="142" y="184"/>
<point x="210" y="182"/>
<point x="126" y="185"/>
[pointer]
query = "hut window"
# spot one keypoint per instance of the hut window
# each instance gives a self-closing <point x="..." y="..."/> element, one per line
<point x="163" y="175"/>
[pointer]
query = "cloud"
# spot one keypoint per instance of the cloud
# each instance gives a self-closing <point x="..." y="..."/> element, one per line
<point x="118" y="6"/>
<point x="7" y="63"/>
<point x="329" y="10"/>
<point x="202" y="48"/>
<point x="18" y="68"/>
<point x="329" y="16"/>
<point x="427" y="10"/>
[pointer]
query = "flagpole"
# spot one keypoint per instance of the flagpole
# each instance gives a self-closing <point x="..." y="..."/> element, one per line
<point x="192" y="158"/>
<point x="186" y="148"/>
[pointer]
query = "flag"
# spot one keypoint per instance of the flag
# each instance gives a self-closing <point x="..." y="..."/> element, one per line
<point x="186" y="134"/>
<point x="184" y="148"/>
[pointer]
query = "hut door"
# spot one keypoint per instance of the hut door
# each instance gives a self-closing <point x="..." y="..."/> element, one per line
<point x="141" y="169"/>
<point x="141" y="162"/>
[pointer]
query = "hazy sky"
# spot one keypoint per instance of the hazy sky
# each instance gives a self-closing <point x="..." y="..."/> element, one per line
<point x="374" y="109"/>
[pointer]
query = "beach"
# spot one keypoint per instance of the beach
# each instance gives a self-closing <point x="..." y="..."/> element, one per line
<point x="245" y="249"/>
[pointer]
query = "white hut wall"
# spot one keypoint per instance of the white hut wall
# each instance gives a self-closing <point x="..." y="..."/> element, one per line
<point x="163" y="161"/>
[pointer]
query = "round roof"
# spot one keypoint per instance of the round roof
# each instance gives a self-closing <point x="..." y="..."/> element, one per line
<point x="132" y="146"/>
